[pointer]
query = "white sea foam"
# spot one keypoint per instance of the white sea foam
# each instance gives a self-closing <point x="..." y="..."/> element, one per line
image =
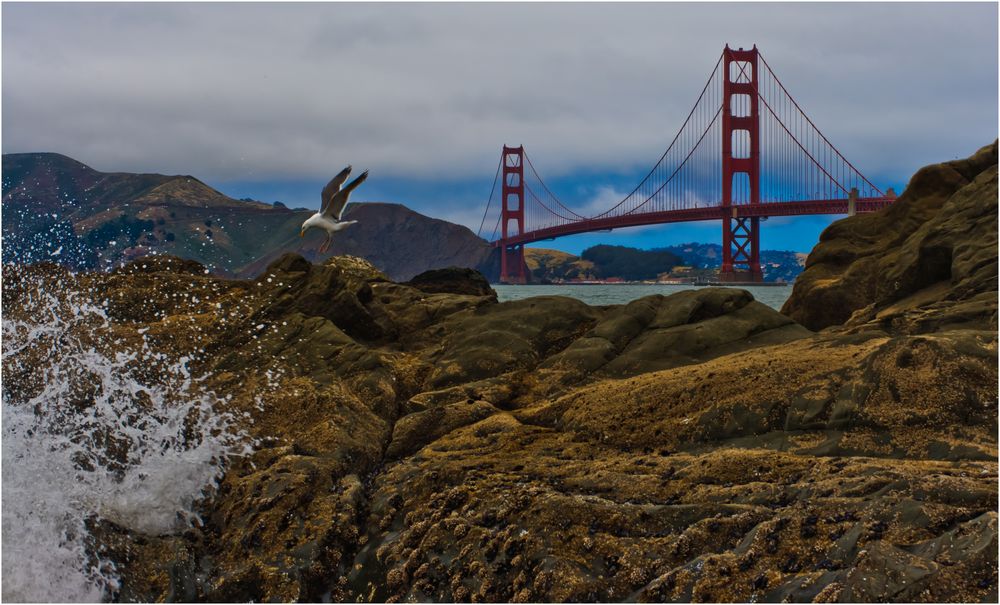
<point x="93" y="428"/>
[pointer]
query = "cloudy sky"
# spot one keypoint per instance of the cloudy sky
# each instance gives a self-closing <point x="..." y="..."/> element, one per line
<point x="268" y="100"/>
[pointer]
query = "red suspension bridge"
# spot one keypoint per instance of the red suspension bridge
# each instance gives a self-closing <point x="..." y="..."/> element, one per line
<point x="746" y="151"/>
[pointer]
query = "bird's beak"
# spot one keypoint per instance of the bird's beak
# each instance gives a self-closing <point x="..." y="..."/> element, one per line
<point x="302" y="233"/>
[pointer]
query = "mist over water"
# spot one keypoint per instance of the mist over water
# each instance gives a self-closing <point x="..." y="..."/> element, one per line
<point x="95" y="426"/>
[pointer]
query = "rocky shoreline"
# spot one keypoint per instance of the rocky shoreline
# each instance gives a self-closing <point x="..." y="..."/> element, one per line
<point x="421" y="441"/>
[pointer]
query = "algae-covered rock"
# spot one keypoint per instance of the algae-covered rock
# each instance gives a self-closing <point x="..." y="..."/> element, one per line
<point x="416" y="430"/>
<point x="336" y="290"/>
<point x="495" y="339"/>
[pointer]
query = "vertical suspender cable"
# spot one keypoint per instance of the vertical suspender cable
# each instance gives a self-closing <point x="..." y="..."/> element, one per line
<point x="490" y="201"/>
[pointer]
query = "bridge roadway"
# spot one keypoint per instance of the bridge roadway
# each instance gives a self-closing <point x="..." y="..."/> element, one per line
<point x="794" y="208"/>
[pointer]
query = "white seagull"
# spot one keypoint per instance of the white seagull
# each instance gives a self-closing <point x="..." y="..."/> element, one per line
<point x="334" y="200"/>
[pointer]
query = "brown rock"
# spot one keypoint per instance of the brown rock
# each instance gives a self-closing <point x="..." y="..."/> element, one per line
<point x="940" y="234"/>
<point x="163" y="263"/>
<point x="453" y="280"/>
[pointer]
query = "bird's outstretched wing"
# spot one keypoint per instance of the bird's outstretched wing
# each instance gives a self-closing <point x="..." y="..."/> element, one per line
<point x="332" y="188"/>
<point x="336" y="207"/>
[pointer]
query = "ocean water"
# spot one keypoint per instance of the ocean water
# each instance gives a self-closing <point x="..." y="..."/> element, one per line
<point x="616" y="294"/>
<point x="94" y="428"/>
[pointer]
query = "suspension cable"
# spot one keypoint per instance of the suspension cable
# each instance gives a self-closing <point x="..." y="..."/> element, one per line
<point x="837" y="151"/>
<point x="804" y="150"/>
<point x="496" y="228"/>
<point x="542" y="204"/>
<point x="681" y="165"/>
<point x="563" y="206"/>
<point x="710" y="78"/>
<point x="490" y="201"/>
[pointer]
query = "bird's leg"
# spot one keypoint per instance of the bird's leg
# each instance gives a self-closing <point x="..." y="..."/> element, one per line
<point x="326" y="244"/>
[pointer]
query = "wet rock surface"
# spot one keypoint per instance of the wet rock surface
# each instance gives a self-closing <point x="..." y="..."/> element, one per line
<point x="431" y="444"/>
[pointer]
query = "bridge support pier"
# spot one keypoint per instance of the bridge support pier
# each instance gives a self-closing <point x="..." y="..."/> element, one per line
<point x="512" y="267"/>
<point x="741" y="250"/>
<point x="740" y="165"/>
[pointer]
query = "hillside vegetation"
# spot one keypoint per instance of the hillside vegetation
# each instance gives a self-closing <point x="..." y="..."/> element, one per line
<point x="630" y="264"/>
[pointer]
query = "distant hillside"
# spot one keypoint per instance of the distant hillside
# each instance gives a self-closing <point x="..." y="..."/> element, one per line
<point x="633" y="264"/>
<point x="548" y="266"/>
<point x="397" y="240"/>
<point x="59" y="209"/>
<point x="776" y="264"/>
<point x="598" y="262"/>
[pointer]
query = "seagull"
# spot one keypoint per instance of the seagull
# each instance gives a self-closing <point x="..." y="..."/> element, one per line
<point x="334" y="200"/>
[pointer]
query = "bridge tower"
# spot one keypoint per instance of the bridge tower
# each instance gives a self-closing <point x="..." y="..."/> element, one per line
<point x="512" y="267"/>
<point x="740" y="162"/>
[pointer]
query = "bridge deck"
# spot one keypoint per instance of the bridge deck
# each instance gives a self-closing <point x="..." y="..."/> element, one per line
<point x="794" y="208"/>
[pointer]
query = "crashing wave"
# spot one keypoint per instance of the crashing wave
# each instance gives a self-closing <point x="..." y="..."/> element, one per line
<point x="96" y="425"/>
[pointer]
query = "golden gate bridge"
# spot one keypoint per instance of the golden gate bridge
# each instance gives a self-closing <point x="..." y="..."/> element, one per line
<point x="746" y="151"/>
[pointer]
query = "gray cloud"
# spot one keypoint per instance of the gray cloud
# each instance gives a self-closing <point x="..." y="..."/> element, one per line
<point x="283" y="91"/>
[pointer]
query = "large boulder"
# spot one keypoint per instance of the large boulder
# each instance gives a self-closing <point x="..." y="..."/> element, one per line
<point x="658" y="332"/>
<point x="491" y="340"/>
<point x="936" y="244"/>
<point x="453" y="280"/>
<point x="337" y="290"/>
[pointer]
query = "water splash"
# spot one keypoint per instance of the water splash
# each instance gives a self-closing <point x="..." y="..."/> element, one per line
<point x="95" y="425"/>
